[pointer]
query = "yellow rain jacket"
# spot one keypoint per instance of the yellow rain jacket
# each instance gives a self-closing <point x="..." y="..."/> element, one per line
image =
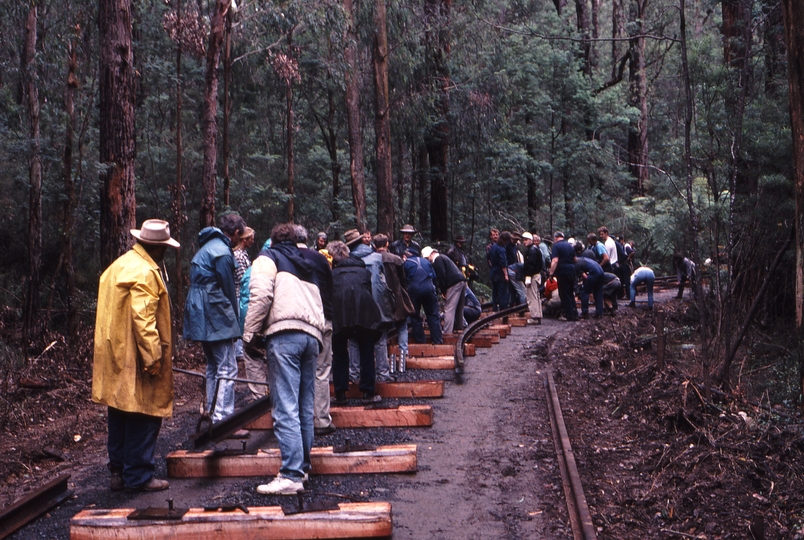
<point x="132" y="370"/>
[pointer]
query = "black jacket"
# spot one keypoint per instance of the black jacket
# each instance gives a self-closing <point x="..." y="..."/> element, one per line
<point x="534" y="261"/>
<point x="447" y="274"/>
<point x="353" y="306"/>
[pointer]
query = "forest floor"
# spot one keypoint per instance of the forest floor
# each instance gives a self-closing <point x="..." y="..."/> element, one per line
<point x="656" y="459"/>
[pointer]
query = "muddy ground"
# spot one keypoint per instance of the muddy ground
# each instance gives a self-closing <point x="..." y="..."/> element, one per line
<point x="656" y="459"/>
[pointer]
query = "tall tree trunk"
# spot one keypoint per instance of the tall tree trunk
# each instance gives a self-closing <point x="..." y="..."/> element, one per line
<point x="291" y="192"/>
<point x="209" y="175"/>
<point x="66" y="258"/>
<point x="117" y="133"/>
<point x="352" y="77"/>
<point x="638" y="98"/>
<point x="332" y="145"/>
<point x="615" y="33"/>
<point x="437" y="37"/>
<point x="179" y="217"/>
<point x="736" y="31"/>
<point x="382" y="124"/>
<point x="422" y="174"/>
<point x="693" y="211"/>
<point x="793" y="11"/>
<point x="227" y="104"/>
<point x="34" y="176"/>
<point x="582" y="23"/>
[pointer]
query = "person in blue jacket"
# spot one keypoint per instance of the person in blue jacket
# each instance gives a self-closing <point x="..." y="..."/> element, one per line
<point x="211" y="312"/>
<point x="421" y="280"/>
<point x="592" y="275"/>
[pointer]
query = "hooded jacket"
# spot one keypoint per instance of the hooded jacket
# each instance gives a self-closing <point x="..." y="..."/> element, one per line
<point x="211" y="312"/>
<point x="132" y="369"/>
<point x="284" y="295"/>
<point x="353" y="306"/>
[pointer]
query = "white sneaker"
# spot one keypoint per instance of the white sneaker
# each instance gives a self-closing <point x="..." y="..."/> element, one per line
<point x="281" y="486"/>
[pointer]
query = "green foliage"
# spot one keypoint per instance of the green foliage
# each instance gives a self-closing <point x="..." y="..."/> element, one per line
<point x="522" y="111"/>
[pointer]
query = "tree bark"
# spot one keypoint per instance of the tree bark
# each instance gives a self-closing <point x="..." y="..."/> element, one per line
<point x="66" y="261"/>
<point x="793" y="11"/>
<point x="693" y="211"/>
<point x="209" y="175"/>
<point x="352" y="76"/>
<point x="382" y="124"/>
<point x="582" y="23"/>
<point x="117" y="132"/>
<point x="179" y="217"/>
<point x="227" y="104"/>
<point x="437" y="13"/>
<point x="34" y="176"/>
<point x="638" y="98"/>
<point x="422" y="168"/>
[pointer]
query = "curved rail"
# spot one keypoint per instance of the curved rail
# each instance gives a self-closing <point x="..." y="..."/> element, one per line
<point x="472" y="329"/>
<point x="580" y="518"/>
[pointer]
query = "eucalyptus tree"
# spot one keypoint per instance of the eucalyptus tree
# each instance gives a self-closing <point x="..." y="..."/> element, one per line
<point x="117" y="130"/>
<point x="794" y="39"/>
<point x="34" y="172"/>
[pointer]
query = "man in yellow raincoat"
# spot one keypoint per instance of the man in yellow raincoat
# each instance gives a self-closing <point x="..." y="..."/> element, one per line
<point x="132" y="372"/>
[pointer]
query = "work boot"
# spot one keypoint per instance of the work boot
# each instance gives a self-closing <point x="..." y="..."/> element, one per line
<point x="371" y="398"/>
<point x="116" y="482"/>
<point x="326" y="430"/>
<point x="154" y="484"/>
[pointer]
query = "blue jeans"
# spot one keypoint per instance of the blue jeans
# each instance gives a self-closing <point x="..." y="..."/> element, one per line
<point x="221" y="362"/>
<point x="131" y="445"/>
<point x="402" y="336"/>
<point x="647" y="279"/>
<point x="429" y="301"/>
<point x="291" y="358"/>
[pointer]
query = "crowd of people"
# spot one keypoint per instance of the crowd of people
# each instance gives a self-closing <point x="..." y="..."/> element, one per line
<point x="299" y="317"/>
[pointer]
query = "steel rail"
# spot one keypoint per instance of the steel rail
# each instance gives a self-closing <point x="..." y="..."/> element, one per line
<point x="472" y="329"/>
<point x="580" y="518"/>
<point x="34" y="505"/>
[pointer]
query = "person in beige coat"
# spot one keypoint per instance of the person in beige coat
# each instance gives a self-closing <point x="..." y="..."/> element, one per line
<point x="132" y="372"/>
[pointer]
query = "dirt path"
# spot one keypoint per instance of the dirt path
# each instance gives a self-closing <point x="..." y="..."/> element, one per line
<point x="487" y="467"/>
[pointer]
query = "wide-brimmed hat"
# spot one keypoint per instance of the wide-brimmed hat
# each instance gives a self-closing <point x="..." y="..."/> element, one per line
<point x="527" y="235"/>
<point x="352" y="236"/>
<point x="408" y="228"/>
<point x="154" y="231"/>
<point x="426" y="251"/>
<point x="460" y="238"/>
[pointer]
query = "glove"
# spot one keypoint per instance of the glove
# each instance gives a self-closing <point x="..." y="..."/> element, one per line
<point x="255" y="348"/>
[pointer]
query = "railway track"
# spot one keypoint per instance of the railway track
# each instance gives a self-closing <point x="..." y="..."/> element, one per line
<point x="88" y="523"/>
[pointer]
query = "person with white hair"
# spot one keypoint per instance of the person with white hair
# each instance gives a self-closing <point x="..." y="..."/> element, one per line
<point x="452" y="283"/>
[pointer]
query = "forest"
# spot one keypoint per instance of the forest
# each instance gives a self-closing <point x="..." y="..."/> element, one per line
<point x="675" y="123"/>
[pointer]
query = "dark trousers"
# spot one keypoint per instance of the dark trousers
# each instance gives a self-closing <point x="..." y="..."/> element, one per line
<point x="131" y="445"/>
<point x="500" y="294"/>
<point x="625" y="279"/>
<point x="566" y="292"/>
<point x="340" y="359"/>
<point x="593" y="286"/>
<point x="429" y="301"/>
